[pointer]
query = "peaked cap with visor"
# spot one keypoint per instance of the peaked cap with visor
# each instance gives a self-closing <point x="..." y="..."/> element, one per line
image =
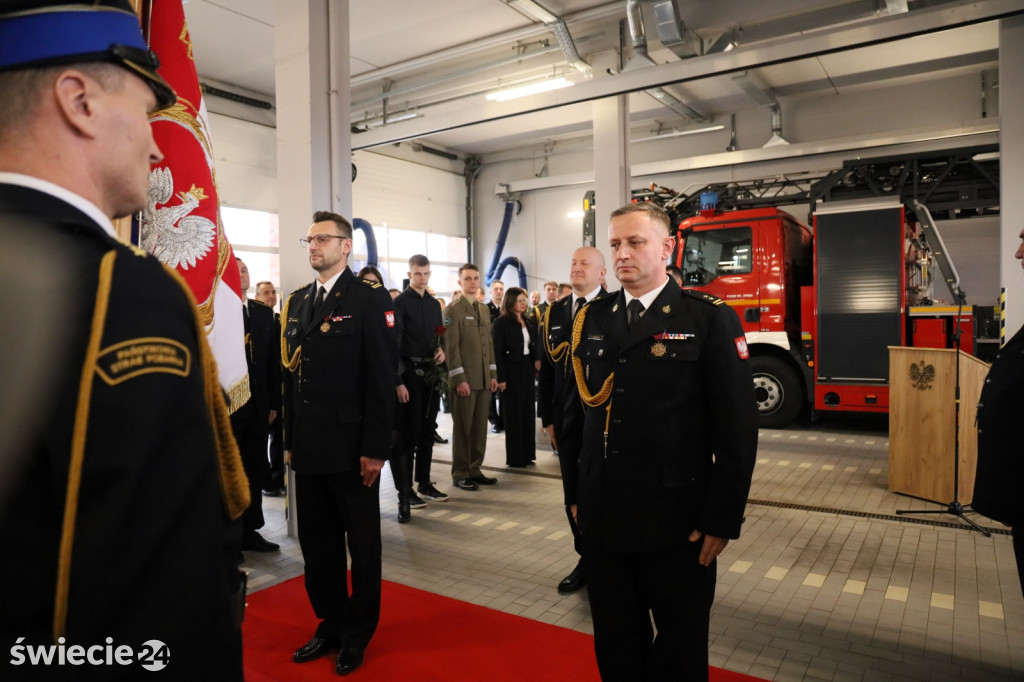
<point x="43" y="34"/>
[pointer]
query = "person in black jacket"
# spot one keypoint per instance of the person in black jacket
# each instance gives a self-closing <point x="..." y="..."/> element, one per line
<point x="120" y="524"/>
<point x="666" y="451"/>
<point x="1000" y="472"/>
<point x="338" y="347"/>
<point x="586" y="272"/>
<point x="251" y="422"/>
<point x="517" y="357"/>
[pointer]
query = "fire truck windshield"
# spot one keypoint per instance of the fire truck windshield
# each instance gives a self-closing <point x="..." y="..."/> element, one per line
<point x="711" y="254"/>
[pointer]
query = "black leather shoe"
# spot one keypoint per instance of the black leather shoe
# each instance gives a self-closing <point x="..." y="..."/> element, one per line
<point x="254" y="542"/>
<point x="312" y="650"/>
<point x="439" y="439"/>
<point x="277" y="492"/>
<point x="484" y="480"/>
<point x="404" y="510"/>
<point x="349" y="659"/>
<point x="574" y="580"/>
<point x="466" y="484"/>
<point x="495" y="428"/>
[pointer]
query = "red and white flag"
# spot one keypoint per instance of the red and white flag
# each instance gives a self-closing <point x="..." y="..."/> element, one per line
<point x="181" y="225"/>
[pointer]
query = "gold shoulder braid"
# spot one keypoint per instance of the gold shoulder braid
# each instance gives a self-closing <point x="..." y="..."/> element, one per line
<point x="234" y="485"/>
<point x="586" y="396"/>
<point x="557" y="354"/>
<point x="67" y="536"/>
<point x="290" y="363"/>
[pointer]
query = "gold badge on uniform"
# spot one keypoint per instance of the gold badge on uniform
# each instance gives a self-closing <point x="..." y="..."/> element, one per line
<point x="658" y="349"/>
<point x="667" y="309"/>
<point x="615" y="307"/>
<point x="325" y="327"/>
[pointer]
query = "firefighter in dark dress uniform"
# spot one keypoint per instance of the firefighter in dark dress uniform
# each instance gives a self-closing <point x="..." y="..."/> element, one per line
<point x="668" y="441"/>
<point x="120" y="526"/>
<point x="338" y="347"/>
<point x="1000" y="473"/>
<point x="586" y="271"/>
<point x="251" y="422"/>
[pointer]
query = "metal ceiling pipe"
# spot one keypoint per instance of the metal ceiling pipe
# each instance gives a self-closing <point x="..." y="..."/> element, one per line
<point x="637" y="34"/>
<point x="776" y="138"/>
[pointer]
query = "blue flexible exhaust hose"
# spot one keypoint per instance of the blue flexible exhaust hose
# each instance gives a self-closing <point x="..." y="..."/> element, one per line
<point x="371" y="241"/>
<point x="499" y="246"/>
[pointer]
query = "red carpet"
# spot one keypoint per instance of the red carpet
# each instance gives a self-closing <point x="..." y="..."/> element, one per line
<point x="422" y="636"/>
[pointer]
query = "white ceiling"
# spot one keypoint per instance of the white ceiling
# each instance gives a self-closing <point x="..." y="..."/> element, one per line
<point x="440" y="57"/>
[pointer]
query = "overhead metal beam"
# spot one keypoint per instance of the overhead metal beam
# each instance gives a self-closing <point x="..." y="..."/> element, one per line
<point x="826" y="41"/>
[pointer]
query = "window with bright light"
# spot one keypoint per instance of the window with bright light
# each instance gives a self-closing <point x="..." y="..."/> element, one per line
<point x="255" y="238"/>
<point x="394" y="248"/>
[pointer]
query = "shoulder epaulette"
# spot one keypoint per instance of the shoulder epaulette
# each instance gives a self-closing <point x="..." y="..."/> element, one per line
<point x="703" y="296"/>
<point x="258" y="301"/>
<point x="369" y="282"/>
<point x="302" y="288"/>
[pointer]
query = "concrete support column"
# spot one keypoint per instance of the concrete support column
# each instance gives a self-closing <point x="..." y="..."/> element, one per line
<point x="611" y="155"/>
<point x="1011" y="162"/>
<point x="314" y="144"/>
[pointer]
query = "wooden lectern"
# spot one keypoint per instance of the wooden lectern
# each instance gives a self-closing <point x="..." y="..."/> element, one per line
<point x="922" y="426"/>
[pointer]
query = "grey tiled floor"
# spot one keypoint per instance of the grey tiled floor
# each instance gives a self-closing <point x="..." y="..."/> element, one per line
<point x="826" y="582"/>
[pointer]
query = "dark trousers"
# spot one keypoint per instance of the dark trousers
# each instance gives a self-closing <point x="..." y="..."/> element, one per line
<point x="418" y="419"/>
<point x="250" y="431"/>
<point x="577" y="539"/>
<point x="518" y="415"/>
<point x="626" y="588"/>
<point x="1018" y="551"/>
<point x="496" y="411"/>
<point x="333" y="509"/>
<point x="275" y="455"/>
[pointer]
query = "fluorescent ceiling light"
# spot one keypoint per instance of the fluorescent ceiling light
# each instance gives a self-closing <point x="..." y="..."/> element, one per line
<point x="530" y="89"/>
<point x="574" y="214"/>
<point x="679" y="133"/>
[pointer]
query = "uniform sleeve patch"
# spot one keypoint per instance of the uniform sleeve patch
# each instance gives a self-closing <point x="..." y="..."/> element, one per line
<point x="389" y="318"/>
<point x="135" y="357"/>
<point x="741" y="348"/>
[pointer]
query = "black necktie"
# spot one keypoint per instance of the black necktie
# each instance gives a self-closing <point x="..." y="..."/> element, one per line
<point x="633" y="311"/>
<point x="579" y="304"/>
<point x="245" y="317"/>
<point x="317" y="301"/>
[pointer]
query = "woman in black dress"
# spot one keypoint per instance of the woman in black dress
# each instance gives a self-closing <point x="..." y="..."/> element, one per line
<point x="517" y="357"/>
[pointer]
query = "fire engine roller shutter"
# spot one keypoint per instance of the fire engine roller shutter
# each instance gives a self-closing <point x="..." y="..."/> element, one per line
<point x="859" y="270"/>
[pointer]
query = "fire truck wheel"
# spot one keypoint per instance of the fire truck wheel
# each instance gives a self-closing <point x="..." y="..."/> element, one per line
<point x="777" y="392"/>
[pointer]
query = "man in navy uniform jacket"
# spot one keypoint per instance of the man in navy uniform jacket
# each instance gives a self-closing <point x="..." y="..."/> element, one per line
<point x="1000" y="472"/>
<point x="120" y="525"/>
<point x="669" y="437"/>
<point x="340" y="357"/>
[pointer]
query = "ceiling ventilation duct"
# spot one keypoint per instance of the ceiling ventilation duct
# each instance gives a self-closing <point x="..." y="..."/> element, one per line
<point x="672" y="31"/>
<point x="758" y="91"/>
<point x="641" y="60"/>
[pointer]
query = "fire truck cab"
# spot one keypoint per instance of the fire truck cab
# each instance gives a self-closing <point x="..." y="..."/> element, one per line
<point x="821" y="310"/>
<point x="757" y="261"/>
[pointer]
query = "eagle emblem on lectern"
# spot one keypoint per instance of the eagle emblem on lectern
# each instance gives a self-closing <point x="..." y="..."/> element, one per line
<point x="922" y="375"/>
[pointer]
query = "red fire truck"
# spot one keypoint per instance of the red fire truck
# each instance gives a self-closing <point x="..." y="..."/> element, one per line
<point x="821" y="307"/>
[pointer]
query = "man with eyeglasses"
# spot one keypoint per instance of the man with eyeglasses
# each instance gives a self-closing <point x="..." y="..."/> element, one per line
<point x="340" y="356"/>
<point x="117" y="528"/>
